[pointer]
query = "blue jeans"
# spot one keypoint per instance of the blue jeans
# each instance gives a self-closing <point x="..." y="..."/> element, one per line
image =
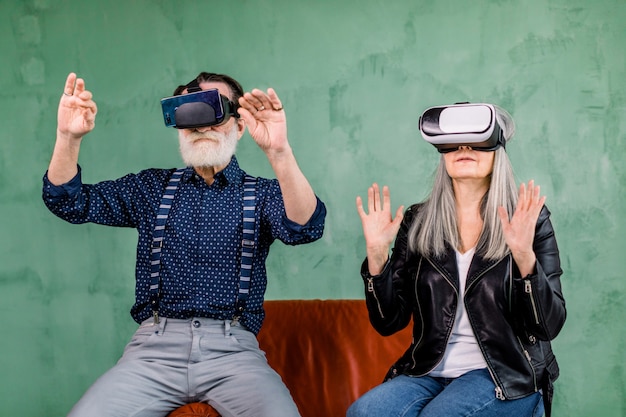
<point x="472" y="394"/>
<point x="180" y="361"/>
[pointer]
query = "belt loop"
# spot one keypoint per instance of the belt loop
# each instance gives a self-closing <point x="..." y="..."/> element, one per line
<point x="161" y="330"/>
<point x="227" y="333"/>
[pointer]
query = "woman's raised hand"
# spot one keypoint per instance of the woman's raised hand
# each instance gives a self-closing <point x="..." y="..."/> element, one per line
<point x="379" y="228"/>
<point x="519" y="230"/>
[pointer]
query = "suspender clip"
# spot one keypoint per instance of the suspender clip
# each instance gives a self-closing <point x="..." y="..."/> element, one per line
<point x="239" y="309"/>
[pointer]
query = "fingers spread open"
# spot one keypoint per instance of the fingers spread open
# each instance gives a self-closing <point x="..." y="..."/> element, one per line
<point x="377" y="205"/>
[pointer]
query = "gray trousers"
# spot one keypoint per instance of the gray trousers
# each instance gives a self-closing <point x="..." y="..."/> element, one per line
<point x="180" y="361"/>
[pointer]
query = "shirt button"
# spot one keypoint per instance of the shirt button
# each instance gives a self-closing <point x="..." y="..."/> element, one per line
<point x="196" y="323"/>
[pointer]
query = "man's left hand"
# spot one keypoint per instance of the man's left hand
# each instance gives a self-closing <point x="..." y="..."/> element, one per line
<point x="265" y="118"/>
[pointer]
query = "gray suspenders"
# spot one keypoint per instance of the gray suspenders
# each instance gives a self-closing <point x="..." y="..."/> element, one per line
<point x="247" y="242"/>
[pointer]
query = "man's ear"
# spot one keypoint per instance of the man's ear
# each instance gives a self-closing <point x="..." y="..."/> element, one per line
<point x="241" y="127"/>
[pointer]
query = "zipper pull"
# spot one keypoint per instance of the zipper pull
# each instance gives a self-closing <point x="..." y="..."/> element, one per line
<point x="528" y="288"/>
<point x="499" y="394"/>
<point x="370" y="289"/>
<point x="528" y="356"/>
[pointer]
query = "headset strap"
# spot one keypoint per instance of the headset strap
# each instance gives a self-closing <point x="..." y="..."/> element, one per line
<point x="193" y="86"/>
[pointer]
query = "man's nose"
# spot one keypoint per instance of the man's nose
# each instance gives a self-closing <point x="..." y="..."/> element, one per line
<point x="203" y="129"/>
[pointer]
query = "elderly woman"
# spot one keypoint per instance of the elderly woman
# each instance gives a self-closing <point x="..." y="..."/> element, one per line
<point x="476" y="268"/>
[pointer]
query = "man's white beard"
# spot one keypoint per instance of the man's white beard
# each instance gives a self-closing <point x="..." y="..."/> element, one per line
<point x="216" y="152"/>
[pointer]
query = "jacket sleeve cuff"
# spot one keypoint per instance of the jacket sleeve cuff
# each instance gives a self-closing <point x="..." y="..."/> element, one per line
<point x="365" y="273"/>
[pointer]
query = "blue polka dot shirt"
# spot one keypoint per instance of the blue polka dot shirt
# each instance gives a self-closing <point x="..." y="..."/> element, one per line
<point x="202" y="243"/>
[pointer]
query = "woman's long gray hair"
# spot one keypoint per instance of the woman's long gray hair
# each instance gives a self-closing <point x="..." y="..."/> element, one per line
<point x="435" y="223"/>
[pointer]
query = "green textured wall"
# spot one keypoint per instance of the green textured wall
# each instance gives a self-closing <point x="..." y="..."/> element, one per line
<point x="353" y="76"/>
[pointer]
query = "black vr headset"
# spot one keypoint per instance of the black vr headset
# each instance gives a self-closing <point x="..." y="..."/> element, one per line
<point x="483" y="127"/>
<point x="198" y="108"/>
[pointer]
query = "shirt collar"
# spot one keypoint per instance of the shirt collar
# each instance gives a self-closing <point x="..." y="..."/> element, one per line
<point x="232" y="174"/>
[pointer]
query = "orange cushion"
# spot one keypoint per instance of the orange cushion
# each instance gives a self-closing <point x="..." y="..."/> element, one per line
<point x="327" y="352"/>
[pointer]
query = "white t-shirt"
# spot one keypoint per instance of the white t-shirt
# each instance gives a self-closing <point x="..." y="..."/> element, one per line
<point x="462" y="353"/>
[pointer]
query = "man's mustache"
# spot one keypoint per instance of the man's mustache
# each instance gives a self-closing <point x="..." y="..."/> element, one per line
<point x="194" y="136"/>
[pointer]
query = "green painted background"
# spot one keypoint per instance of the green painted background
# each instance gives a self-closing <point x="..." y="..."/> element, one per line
<point x="353" y="76"/>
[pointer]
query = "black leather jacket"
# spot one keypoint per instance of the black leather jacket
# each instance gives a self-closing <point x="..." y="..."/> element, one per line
<point x="513" y="317"/>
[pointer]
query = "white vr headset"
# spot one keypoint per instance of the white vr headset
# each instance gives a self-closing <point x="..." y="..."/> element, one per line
<point x="481" y="126"/>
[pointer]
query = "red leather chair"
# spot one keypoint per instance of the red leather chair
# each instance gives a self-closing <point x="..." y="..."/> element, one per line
<point x="326" y="351"/>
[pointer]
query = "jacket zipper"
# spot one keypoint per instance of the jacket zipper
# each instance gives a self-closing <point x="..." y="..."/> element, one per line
<point x="450" y="329"/>
<point x="530" y="362"/>
<point x="528" y="288"/>
<point x="417" y="342"/>
<point x="370" y="289"/>
<point x="499" y="394"/>
<point x="498" y="390"/>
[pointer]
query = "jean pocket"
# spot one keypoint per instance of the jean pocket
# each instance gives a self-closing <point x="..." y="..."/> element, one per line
<point x="141" y="336"/>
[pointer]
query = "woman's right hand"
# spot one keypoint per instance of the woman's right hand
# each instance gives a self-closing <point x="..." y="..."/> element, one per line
<point x="76" y="115"/>
<point x="379" y="228"/>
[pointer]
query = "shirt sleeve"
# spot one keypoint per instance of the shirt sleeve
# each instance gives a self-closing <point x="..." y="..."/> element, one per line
<point x="54" y="193"/>
<point x="317" y="219"/>
<point x="119" y="203"/>
<point x="284" y="229"/>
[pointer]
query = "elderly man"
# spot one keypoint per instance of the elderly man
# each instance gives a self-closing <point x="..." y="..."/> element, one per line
<point x="204" y="233"/>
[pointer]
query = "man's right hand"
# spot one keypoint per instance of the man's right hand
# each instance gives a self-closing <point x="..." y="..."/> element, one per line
<point x="75" y="118"/>
<point x="77" y="111"/>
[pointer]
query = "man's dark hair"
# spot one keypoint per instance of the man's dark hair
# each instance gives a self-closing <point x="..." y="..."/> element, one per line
<point x="236" y="89"/>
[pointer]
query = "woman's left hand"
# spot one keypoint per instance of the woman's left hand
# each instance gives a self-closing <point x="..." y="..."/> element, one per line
<point x="265" y="118"/>
<point x="519" y="230"/>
